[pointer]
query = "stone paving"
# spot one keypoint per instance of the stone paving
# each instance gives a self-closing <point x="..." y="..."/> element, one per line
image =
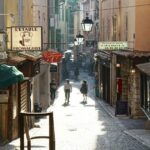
<point x="80" y="126"/>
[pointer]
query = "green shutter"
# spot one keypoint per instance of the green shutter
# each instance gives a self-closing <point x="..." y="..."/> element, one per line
<point x="56" y="6"/>
<point x="52" y="37"/>
<point x="58" y="39"/>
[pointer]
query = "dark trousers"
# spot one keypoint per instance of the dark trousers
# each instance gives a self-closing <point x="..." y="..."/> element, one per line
<point x="67" y="95"/>
<point x="53" y="94"/>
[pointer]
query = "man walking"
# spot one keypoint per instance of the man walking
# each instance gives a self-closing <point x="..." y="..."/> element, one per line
<point x="67" y="90"/>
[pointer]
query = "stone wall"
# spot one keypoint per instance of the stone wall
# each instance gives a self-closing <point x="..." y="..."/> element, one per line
<point x="134" y="95"/>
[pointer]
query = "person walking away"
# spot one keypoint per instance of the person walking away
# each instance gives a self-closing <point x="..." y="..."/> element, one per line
<point x="67" y="90"/>
<point x="84" y="90"/>
<point x="53" y="88"/>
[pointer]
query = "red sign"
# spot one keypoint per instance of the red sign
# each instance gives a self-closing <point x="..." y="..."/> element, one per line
<point x="51" y="57"/>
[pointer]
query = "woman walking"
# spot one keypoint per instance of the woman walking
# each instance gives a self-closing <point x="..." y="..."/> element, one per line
<point x="84" y="91"/>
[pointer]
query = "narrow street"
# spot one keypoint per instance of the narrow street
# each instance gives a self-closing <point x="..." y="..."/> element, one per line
<point x="88" y="126"/>
<point x="81" y="126"/>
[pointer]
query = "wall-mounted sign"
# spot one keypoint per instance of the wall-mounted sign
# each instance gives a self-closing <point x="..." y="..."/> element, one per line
<point x="53" y="67"/>
<point x="115" y="45"/>
<point x="51" y="57"/>
<point x="26" y="38"/>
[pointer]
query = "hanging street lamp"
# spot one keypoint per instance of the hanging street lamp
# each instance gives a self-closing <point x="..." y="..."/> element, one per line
<point x="75" y="42"/>
<point x="87" y="24"/>
<point x="79" y="38"/>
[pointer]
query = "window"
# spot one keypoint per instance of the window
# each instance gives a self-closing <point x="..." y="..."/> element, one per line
<point x="145" y="93"/>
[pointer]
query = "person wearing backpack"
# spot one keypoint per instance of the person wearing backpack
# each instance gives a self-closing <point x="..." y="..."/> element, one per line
<point x="84" y="90"/>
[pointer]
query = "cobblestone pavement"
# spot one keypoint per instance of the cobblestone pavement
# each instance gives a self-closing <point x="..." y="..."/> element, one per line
<point x="80" y="126"/>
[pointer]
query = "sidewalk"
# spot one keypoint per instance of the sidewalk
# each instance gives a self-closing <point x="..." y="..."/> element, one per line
<point x="133" y="127"/>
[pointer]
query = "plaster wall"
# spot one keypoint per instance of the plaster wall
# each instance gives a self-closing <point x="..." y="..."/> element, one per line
<point x="142" y="37"/>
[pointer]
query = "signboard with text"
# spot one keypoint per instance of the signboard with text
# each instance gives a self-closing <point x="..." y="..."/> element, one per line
<point x="26" y="38"/>
<point x="114" y="45"/>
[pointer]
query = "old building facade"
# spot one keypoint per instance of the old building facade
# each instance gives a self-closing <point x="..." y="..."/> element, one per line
<point x="123" y="21"/>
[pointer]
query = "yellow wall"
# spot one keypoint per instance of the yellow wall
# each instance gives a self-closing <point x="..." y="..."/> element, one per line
<point x="13" y="7"/>
<point x="121" y="9"/>
<point x="28" y="13"/>
<point x="142" y="36"/>
<point x="10" y="7"/>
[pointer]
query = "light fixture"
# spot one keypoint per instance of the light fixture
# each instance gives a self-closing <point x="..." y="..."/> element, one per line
<point x="118" y="65"/>
<point x="75" y="42"/>
<point x="87" y="24"/>
<point x="132" y="70"/>
<point x="79" y="38"/>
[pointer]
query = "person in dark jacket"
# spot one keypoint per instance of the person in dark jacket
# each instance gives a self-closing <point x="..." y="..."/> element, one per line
<point x="53" y="88"/>
<point x="84" y="90"/>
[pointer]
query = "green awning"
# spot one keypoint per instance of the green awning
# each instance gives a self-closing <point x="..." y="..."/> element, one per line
<point x="9" y="75"/>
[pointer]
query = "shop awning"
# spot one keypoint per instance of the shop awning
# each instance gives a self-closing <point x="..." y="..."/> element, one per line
<point x="145" y="67"/>
<point x="9" y="75"/>
<point x="132" y="54"/>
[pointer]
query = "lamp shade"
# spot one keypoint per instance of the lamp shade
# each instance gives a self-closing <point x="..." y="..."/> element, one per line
<point x="75" y="42"/>
<point x="79" y="38"/>
<point x="87" y="24"/>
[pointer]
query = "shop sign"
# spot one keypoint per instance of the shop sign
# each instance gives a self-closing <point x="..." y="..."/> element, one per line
<point x="26" y="38"/>
<point x="117" y="45"/>
<point x="53" y="68"/>
<point x="51" y="57"/>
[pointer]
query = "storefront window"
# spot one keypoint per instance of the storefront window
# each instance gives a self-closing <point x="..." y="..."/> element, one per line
<point x="145" y="93"/>
<point x="148" y="94"/>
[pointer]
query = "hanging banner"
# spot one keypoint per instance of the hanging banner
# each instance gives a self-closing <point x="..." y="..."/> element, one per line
<point x="51" y="57"/>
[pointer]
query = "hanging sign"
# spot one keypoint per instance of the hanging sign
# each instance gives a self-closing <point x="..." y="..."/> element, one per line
<point x="53" y="67"/>
<point x="51" y="57"/>
<point x="117" y="45"/>
<point x="26" y="38"/>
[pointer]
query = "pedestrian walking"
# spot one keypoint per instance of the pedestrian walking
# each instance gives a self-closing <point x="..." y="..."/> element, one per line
<point x="84" y="90"/>
<point x="53" y="88"/>
<point x="67" y="90"/>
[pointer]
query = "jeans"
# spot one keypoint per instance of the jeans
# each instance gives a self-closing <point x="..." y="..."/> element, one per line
<point x="67" y="95"/>
<point x="53" y="94"/>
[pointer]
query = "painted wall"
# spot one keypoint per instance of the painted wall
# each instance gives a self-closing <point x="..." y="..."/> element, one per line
<point x="28" y="9"/>
<point x="11" y="7"/>
<point x="142" y="37"/>
<point x="125" y="21"/>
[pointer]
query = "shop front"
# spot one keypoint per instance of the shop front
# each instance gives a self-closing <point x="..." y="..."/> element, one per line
<point x="145" y="87"/>
<point x="128" y="80"/>
<point x="104" y="75"/>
